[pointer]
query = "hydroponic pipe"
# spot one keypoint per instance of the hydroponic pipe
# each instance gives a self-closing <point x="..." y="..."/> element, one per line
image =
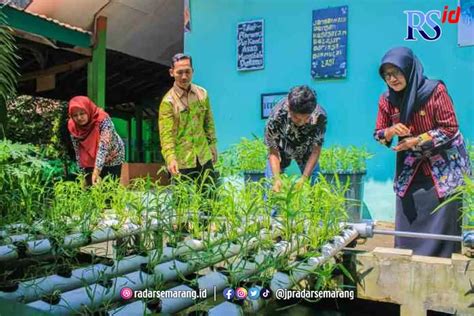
<point x="12" y="227"/>
<point x="44" y="246"/>
<point x="187" y="297"/>
<point x="226" y="308"/>
<point x="282" y="280"/>
<point x="212" y="282"/>
<point x="33" y="289"/>
<point x="93" y="296"/>
<point x="10" y="239"/>
<point x="399" y="233"/>
<point x="76" y="240"/>
<point x="367" y="230"/>
<point x="218" y="281"/>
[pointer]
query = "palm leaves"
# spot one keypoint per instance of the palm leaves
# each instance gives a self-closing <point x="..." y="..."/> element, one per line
<point x="8" y="66"/>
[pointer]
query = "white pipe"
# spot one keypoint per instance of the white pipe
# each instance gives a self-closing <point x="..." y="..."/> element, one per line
<point x="8" y="252"/>
<point x="92" y="296"/>
<point x="75" y="240"/>
<point x="284" y="281"/>
<point x="10" y="239"/>
<point x="227" y="309"/>
<point x="214" y="281"/>
<point x="31" y="290"/>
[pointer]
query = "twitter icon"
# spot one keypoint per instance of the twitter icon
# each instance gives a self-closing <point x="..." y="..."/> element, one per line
<point x="254" y="293"/>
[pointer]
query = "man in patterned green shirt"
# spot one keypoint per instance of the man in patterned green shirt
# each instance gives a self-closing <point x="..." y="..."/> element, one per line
<point x="186" y="125"/>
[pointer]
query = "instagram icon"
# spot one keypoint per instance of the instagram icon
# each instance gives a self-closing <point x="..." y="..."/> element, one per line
<point x="240" y="293"/>
<point x="126" y="293"/>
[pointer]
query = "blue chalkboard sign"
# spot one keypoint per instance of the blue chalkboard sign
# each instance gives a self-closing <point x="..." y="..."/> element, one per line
<point x="250" y="40"/>
<point x="329" y="53"/>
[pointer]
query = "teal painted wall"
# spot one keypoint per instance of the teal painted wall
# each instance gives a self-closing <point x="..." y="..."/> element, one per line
<point x="374" y="27"/>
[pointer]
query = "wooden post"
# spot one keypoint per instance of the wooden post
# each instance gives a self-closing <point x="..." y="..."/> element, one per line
<point x="139" y="131"/>
<point x="96" y="71"/>
<point x="130" y="152"/>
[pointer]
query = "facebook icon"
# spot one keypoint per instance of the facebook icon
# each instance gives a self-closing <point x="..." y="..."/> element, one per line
<point x="228" y="293"/>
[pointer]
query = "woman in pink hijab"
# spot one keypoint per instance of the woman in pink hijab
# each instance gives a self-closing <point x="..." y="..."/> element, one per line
<point x="99" y="149"/>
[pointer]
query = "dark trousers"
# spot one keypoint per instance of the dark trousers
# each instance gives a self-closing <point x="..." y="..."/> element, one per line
<point x="203" y="174"/>
<point x="113" y="171"/>
<point x="415" y="214"/>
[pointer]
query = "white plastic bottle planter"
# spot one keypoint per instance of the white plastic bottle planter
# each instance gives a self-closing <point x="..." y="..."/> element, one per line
<point x="20" y="232"/>
<point x="32" y="290"/>
<point x="76" y="240"/>
<point x="174" y="305"/>
<point x="8" y="252"/>
<point x="7" y="229"/>
<point x="218" y="281"/>
<point x="227" y="309"/>
<point x="213" y="281"/>
<point x="10" y="239"/>
<point x="284" y="281"/>
<point x="95" y="295"/>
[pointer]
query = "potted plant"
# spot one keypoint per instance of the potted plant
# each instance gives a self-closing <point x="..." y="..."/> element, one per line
<point x="346" y="165"/>
<point x="252" y="158"/>
<point x="249" y="157"/>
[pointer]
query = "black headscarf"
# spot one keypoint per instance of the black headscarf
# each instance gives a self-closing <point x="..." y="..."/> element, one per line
<point x="418" y="89"/>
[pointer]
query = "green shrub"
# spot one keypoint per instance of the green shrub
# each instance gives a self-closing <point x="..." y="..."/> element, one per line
<point x="338" y="159"/>
<point x="25" y="182"/>
<point x="8" y="69"/>
<point x="247" y="155"/>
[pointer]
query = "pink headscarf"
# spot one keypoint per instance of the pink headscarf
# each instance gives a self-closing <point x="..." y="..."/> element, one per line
<point x="89" y="134"/>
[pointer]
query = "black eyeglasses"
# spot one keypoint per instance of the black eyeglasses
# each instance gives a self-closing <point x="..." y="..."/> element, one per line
<point x="395" y="73"/>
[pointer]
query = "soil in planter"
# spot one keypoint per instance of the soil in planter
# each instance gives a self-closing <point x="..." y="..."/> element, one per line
<point x="222" y="270"/>
<point x="198" y="313"/>
<point x="64" y="270"/>
<point x="191" y="281"/>
<point x="155" y="305"/>
<point x="16" y="271"/>
<point x="52" y="299"/>
<point x="128" y="246"/>
<point x="82" y="258"/>
<point x="8" y="286"/>
<point x="107" y="283"/>
<point x="176" y="239"/>
<point x="147" y="268"/>
<point x="28" y="268"/>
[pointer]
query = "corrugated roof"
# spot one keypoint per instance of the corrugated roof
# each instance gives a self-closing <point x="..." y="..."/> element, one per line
<point x="44" y="17"/>
<point x="148" y="29"/>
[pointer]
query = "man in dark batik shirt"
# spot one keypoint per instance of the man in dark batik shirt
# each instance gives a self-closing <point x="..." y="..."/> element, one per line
<point x="295" y="130"/>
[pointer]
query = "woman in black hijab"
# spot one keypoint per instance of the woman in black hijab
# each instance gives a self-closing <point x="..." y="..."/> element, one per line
<point x="431" y="154"/>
